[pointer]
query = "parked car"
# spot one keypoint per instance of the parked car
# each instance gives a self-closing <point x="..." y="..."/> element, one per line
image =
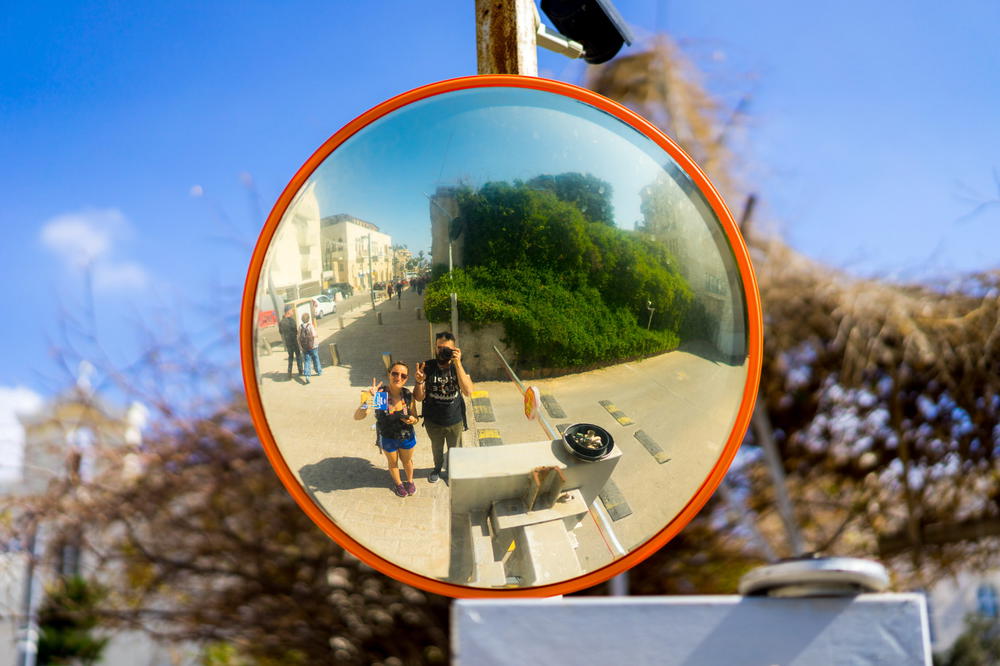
<point x="324" y="305"/>
<point x="341" y="287"/>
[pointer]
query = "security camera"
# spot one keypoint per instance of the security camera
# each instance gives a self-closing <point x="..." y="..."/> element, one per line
<point x="595" y="24"/>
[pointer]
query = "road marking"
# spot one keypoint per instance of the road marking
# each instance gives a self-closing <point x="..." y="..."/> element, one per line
<point x="482" y="408"/>
<point x="614" y="501"/>
<point x="650" y="445"/>
<point x="618" y="414"/>
<point x="552" y="406"/>
<point x="489" y="437"/>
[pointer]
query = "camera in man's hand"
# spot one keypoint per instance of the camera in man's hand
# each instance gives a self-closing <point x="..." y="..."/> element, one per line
<point x="446" y="353"/>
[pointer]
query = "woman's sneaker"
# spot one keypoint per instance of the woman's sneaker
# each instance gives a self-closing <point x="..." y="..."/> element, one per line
<point x="410" y="488"/>
<point x="400" y="490"/>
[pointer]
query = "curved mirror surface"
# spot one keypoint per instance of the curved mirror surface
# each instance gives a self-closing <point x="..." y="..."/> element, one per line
<point x="565" y="251"/>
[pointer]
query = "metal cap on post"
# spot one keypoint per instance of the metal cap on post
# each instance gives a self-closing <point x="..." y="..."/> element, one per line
<point x="816" y="577"/>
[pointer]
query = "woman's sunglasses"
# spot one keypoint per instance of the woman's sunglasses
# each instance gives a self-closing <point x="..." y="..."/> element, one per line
<point x="401" y="375"/>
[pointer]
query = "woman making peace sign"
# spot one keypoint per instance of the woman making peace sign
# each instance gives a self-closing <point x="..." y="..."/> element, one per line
<point x="394" y="423"/>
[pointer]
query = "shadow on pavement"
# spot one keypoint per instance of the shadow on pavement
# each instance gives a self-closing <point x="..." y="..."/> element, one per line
<point x="344" y="473"/>
<point x="282" y="377"/>
<point x="709" y="352"/>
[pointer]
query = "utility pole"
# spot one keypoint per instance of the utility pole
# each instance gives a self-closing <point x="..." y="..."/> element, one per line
<point x="27" y="639"/>
<point x="371" y="277"/>
<point x="505" y="37"/>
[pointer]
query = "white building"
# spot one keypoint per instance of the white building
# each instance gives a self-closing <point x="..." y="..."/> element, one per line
<point x="676" y="214"/>
<point x="951" y="601"/>
<point x="59" y="439"/>
<point x="355" y="251"/>
<point x="293" y="264"/>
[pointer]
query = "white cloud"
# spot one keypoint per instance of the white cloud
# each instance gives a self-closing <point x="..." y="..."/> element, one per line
<point x="80" y="238"/>
<point x="87" y="239"/>
<point x="13" y="401"/>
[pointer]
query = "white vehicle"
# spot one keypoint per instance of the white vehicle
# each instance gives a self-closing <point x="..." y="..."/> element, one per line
<point x="324" y="306"/>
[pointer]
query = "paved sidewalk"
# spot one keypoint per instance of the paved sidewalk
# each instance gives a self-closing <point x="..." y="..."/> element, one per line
<point x="335" y="457"/>
<point x="680" y="403"/>
<point x="669" y="415"/>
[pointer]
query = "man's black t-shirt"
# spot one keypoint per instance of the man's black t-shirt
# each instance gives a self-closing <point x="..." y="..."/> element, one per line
<point x="442" y="394"/>
<point x="289" y="331"/>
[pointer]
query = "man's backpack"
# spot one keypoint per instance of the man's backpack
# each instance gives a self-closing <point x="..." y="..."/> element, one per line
<point x="307" y="337"/>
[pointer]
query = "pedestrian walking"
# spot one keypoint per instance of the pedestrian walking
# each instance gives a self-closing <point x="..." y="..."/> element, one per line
<point x="310" y="347"/>
<point x="395" y="416"/>
<point x="440" y="384"/>
<point x="290" y="338"/>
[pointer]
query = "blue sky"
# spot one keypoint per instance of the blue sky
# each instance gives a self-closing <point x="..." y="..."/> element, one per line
<point x="152" y="138"/>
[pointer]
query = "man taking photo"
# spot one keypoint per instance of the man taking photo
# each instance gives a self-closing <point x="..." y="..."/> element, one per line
<point x="289" y="337"/>
<point x="441" y="383"/>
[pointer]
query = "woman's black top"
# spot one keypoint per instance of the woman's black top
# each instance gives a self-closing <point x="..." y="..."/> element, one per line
<point x="390" y="425"/>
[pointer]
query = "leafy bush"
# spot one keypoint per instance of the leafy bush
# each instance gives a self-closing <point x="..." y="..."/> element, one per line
<point x="549" y="324"/>
<point x="67" y="620"/>
<point x="544" y="258"/>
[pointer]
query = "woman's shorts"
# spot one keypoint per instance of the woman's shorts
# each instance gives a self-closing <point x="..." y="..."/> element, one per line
<point x="393" y="445"/>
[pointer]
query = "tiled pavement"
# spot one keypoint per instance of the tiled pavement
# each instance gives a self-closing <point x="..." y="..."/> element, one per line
<point x="335" y="456"/>
<point x="669" y="415"/>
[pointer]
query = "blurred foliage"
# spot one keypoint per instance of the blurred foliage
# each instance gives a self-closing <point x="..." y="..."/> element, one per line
<point x="883" y="398"/>
<point x="206" y="546"/>
<point x="979" y="644"/>
<point x="67" y="620"/>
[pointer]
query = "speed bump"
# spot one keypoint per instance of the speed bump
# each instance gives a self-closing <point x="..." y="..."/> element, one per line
<point x="552" y="406"/>
<point x="482" y="408"/>
<point x="650" y="445"/>
<point x="489" y="437"/>
<point x="618" y="414"/>
<point x="614" y="501"/>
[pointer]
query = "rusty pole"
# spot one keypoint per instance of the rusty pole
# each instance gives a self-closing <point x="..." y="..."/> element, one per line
<point x="505" y="37"/>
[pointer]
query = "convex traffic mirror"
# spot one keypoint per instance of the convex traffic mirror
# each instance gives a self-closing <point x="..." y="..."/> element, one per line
<point x="500" y="336"/>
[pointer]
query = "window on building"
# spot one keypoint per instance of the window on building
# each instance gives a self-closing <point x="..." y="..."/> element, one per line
<point x="81" y="459"/>
<point x="715" y="284"/>
<point x="986" y="600"/>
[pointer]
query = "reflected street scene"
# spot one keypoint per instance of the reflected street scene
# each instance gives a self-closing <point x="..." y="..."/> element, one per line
<point x="501" y="337"/>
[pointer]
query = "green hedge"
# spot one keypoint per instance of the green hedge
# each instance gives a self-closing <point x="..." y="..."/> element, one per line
<point x="571" y="289"/>
<point x="549" y="325"/>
